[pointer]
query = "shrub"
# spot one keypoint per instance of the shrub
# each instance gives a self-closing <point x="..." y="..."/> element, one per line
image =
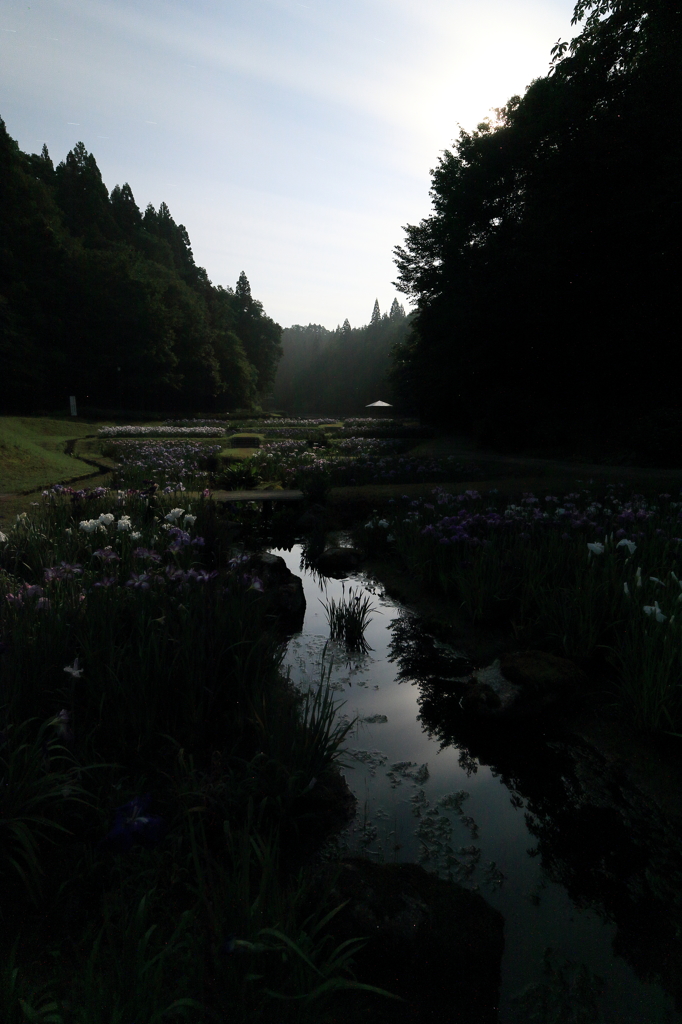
<point x="657" y="439"/>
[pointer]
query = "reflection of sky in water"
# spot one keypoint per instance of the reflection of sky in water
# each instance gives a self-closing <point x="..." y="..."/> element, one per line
<point x="416" y="803"/>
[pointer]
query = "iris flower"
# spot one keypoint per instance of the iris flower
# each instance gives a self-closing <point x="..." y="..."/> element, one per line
<point x="62" y="723"/>
<point x="138" y="581"/>
<point x="655" y="610"/>
<point x="133" y="824"/>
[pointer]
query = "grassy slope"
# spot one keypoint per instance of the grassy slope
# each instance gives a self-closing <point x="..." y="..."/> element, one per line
<point x="32" y="452"/>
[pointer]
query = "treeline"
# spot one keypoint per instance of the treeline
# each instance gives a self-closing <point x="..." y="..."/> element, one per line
<point x="102" y="301"/>
<point x="547" y="277"/>
<point x="341" y="371"/>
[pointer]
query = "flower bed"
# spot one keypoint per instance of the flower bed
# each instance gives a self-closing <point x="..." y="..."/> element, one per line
<point x="165" y="431"/>
<point x="176" y="465"/>
<point x="580" y="574"/>
<point x="142" y="709"/>
<point x="369" y="447"/>
<point x="291" y="467"/>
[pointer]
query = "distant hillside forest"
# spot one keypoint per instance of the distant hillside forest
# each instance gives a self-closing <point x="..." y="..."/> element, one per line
<point x="547" y="278"/>
<point x="102" y="301"/>
<point x="339" y="372"/>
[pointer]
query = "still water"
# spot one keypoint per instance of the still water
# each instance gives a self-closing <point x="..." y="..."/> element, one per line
<point x="502" y="824"/>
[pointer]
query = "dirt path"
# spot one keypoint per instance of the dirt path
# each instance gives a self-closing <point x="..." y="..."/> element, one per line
<point x="516" y="473"/>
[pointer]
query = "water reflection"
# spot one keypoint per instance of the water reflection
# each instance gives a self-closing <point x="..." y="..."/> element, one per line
<point x="553" y="835"/>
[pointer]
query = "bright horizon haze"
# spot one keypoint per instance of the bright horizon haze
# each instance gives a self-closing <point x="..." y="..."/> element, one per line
<point x="294" y="140"/>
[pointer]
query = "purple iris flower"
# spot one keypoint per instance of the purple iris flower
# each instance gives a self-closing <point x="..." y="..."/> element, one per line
<point x="147" y="553"/>
<point x="63" y="571"/>
<point x="133" y="824"/>
<point x="106" y="554"/>
<point x="106" y="581"/>
<point x="139" y="581"/>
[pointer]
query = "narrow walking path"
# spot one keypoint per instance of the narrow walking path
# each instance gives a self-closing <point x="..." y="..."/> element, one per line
<point x="518" y="470"/>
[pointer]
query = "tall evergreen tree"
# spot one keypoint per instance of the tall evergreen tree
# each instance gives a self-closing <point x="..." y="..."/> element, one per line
<point x="376" y="314"/>
<point x="83" y="197"/>
<point x="125" y="210"/>
<point x="260" y="335"/>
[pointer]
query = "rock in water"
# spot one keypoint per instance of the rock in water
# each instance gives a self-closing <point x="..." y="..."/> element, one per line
<point x="282" y="589"/>
<point x="434" y="943"/>
<point x="523" y="684"/>
<point x="544" y="679"/>
<point x="338" y="562"/>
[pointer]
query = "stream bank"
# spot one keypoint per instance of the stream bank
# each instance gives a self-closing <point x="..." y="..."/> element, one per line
<point x="573" y="832"/>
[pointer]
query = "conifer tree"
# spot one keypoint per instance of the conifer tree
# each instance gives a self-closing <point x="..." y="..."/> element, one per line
<point x="84" y="197"/>
<point x="259" y="335"/>
<point x="125" y="209"/>
<point x="100" y="301"/>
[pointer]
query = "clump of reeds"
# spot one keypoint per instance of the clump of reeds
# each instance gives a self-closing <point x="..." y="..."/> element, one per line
<point x="349" y="617"/>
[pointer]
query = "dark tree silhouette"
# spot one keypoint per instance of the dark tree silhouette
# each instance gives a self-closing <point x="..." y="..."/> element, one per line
<point x="546" y="276"/>
<point x="100" y="301"/>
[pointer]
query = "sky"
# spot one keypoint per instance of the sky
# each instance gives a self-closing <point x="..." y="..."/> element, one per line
<point x="294" y="140"/>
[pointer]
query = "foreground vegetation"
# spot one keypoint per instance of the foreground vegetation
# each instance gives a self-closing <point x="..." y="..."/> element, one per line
<point x="155" y="766"/>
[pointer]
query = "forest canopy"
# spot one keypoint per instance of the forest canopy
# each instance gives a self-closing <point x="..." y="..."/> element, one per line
<point x="546" y="278"/>
<point x="339" y="372"/>
<point x="105" y="302"/>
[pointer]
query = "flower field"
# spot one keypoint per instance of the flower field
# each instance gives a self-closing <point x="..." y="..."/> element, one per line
<point x="371" y="462"/>
<point x="164" y="431"/>
<point x="151" y="760"/>
<point x="576" y="575"/>
<point x="172" y="465"/>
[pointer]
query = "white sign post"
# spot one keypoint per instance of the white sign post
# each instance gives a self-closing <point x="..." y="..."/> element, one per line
<point x="72" y="403"/>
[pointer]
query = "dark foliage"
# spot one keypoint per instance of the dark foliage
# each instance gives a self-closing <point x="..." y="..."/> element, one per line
<point x="101" y="301"/>
<point x="546" y="277"/>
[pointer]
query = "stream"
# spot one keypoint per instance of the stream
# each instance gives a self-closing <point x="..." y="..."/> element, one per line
<point x="542" y="829"/>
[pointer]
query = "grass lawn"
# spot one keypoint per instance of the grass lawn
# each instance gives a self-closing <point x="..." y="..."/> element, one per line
<point x="32" y="452"/>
